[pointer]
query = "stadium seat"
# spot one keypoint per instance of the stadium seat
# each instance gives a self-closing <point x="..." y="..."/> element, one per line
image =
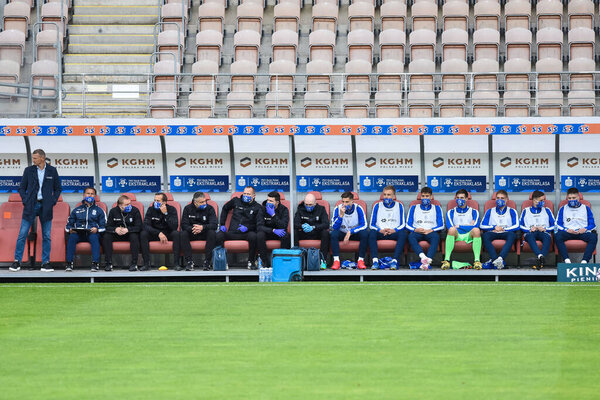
<point x="86" y="247"/>
<point x="200" y="245"/>
<point x="360" y="45"/>
<point x="581" y="96"/>
<point x="460" y="246"/>
<point x="51" y="12"/>
<point x="246" y="45"/>
<point x="16" y="16"/>
<point x="47" y="45"/>
<point x="249" y="17"/>
<point x="524" y="247"/>
<point x="575" y="246"/>
<point x="123" y="247"/>
<point x="549" y="14"/>
<point x="240" y="100"/>
<point x="361" y="16"/>
<point x="517" y="67"/>
<point x="390" y="94"/>
<point x="357" y="95"/>
<point x="581" y="14"/>
<point x="204" y="91"/>
<point x="169" y="41"/>
<point x="12" y="46"/>
<point x="549" y="96"/>
<point x="421" y="97"/>
<point x="498" y="244"/>
<point x="208" y="46"/>
<point x="452" y="98"/>
<point x="352" y="245"/>
<point x="393" y="16"/>
<point x="9" y="74"/>
<point x="383" y="245"/>
<point x="517" y="14"/>
<point x="45" y="74"/>
<point x="286" y="16"/>
<point x="392" y="43"/>
<point x="285" y="45"/>
<point x="308" y="243"/>
<point x="322" y="46"/>
<point x="424" y="16"/>
<point x="156" y="247"/>
<point x="455" y="15"/>
<point x="324" y="17"/>
<point x="10" y="225"/>
<point x="279" y="99"/>
<point x="317" y="98"/>
<point x="163" y="101"/>
<point x="424" y="244"/>
<point x="174" y="13"/>
<point x="211" y="16"/>
<point x="487" y="15"/>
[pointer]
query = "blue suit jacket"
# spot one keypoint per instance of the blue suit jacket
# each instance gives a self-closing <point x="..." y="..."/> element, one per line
<point x="50" y="192"/>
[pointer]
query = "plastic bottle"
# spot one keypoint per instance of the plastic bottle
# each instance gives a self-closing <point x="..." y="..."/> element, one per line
<point x="270" y="274"/>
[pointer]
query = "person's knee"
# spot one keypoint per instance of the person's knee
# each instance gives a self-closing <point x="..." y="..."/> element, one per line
<point x="452" y="231"/>
<point x="475" y="232"/>
<point x="363" y="235"/>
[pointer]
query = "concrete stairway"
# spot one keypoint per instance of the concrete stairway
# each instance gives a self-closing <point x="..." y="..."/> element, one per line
<point x="109" y="37"/>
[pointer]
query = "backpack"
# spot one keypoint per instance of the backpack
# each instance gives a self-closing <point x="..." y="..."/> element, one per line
<point x="219" y="259"/>
<point x="313" y="259"/>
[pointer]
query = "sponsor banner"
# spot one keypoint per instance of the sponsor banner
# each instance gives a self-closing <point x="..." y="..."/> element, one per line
<point x="578" y="272"/>
<point x="376" y="183"/>
<point x="584" y="183"/>
<point x="204" y="164"/>
<point x="72" y="184"/>
<point x="134" y="184"/>
<point x="263" y="183"/>
<point x="9" y="184"/>
<point x="72" y="164"/>
<point x="260" y="163"/>
<point x="324" y="183"/>
<point x="441" y="183"/>
<point x="524" y="183"/>
<point x="524" y="163"/>
<point x="197" y="183"/>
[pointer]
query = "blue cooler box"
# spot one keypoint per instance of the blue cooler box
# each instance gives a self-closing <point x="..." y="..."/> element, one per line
<point x="287" y="265"/>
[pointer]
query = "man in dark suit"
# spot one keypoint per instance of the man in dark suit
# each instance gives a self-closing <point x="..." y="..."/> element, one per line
<point x="40" y="189"/>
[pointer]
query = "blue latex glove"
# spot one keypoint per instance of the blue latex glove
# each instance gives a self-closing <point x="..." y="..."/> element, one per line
<point x="307" y="228"/>
<point x="279" y="232"/>
<point x="270" y="209"/>
<point x="223" y="228"/>
<point x="242" y="228"/>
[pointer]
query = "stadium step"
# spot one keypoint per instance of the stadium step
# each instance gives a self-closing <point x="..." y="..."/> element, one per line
<point x="100" y="100"/>
<point x="125" y="30"/>
<point x="107" y="58"/>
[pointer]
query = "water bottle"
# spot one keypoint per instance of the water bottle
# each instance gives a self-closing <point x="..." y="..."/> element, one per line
<point x="270" y="274"/>
<point x="260" y="263"/>
<point x="261" y="275"/>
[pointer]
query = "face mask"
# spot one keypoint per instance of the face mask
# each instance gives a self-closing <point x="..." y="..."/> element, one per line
<point x="270" y="206"/>
<point x="388" y="202"/>
<point x="127" y="208"/>
<point x="500" y="202"/>
<point x="573" y="203"/>
<point x="425" y="202"/>
<point x="461" y="203"/>
<point x="309" y="208"/>
<point x="348" y="208"/>
<point x="157" y="204"/>
<point x="540" y="204"/>
<point x="89" y="199"/>
<point x="246" y="198"/>
<point x="202" y="206"/>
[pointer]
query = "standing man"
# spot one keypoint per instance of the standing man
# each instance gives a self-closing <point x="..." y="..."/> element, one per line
<point x="160" y="224"/>
<point x="85" y="224"/>
<point x="349" y="223"/>
<point x="387" y="223"/>
<point x="124" y="225"/>
<point x="312" y="222"/>
<point x="276" y="218"/>
<point x="425" y="221"/>
<point x="500" y="222"/>
<point x="575" y="221"/>
<point x="40" y="189"/>
<point x="198" y="222"/>
<point x="463" y="226"/>
<point x="537" y="223"/>
<point x="245" y="222"/>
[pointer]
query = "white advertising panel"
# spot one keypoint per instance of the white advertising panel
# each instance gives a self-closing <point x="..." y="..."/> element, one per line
<point x="324" y="163"/>
<point x="262" y="162"/>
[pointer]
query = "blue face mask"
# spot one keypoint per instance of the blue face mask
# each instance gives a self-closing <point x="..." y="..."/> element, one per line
<point x="246" y="198"/>
<point x="388" y="202"/>
<point x="89" y="199"/>
<point x="461" y="203"/>
<point x="127" y="208"/>
<point x="348" y="208"/>
<point x="309" y="208"/>
<point x="202" y="206"/>
<point x="425" y="202"/>
<point x="157" y="204"/>
<point x="574" y="203"/>
<point x="270" y="206"/>
<point x="500" y="203"/>
<point x="540" y="204"/>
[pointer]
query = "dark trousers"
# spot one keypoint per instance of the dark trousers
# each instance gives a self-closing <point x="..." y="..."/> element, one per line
<point x="76" y="237"/>
<point x="134" y="244"/>
<point x="186" y="245"/>
<point x="544" y="237"/>
<point x="399" y="237"/>
<point x="147" y="237"/>
<point x="433" y="238"/>
<point x="490" y="236"/>
<point x="322" y="235"/>
<point x="589" y="237"/>
<point x="337" y="236"/>
<point x="261" y="243"/>
<point x="250" y="237"/>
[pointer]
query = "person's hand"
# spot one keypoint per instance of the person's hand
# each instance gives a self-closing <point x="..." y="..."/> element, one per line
<point x="541" y="228"/>
<point x="342" y="210"/>
<point x="498" y="228"/>
<point x="270" y="209"/>
<point x="307" y="228"/>
<point x="163" y="208"/>
<point x="72" y="231"/>
<point x="420" y="230"/>
<point x="163" y="238"/>
<point x="223" y="228"/>
<point x="572" y="231"/>
<point x="347" y="238"/>
<point x="242" y="228"/>
<point x="279" y="232"/>
<point x="582" y="230"/>
<point x="534" y="228"/>
<point x="427" y="231"/>
<point x="196" y="229"/>
<point x="93" y="230"/>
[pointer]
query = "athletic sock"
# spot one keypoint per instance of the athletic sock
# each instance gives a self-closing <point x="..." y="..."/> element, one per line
<point x="450" y="239"/>
<point x="375" y="259"/>
<point x="336" y="258"/>
<point x="361" y="259"/>
<point x="477" y="248"/>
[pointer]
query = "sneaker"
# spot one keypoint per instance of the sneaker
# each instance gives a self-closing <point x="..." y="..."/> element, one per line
<point x="499" y="263"/>
<point x="567" y="261"/>
<point x="179" y="268"/>
<point x="95" y="267"/>
<point x="108" y="267"/>
<point x="145" y="268"/>
<point x="336" y="265"/>
<point x="539" y="263"/>
<point x="251" y="265"/>
<point x="133" y="268"/>
<point x="206" y="266"/>
<point x="394" y="265"/>
<point x="477" y="265"/>
<point x="189" y="266"/>
<point x="375" y="265"/>
<point x="46" y="268"/>
<point x="361" y="264"/>
<point x="16" y="266"/>
<point x="445" y="264"/>
<point x="425" y="266"/>
<point x="69" y="267"/>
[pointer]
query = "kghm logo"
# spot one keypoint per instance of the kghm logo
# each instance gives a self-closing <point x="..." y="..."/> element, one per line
<point x="180" y="162"/>
<point x="505" y="162"/>
<point x="63" y="162"/>
<point x="245" y="162"/>
<point x="306" y="162"/>
<point x="438" y="162"/>
<point x="112" y="162"/>
<point x="370" y="162"/>
<point x="10" y="161"/>
<point x="573" y="161"/>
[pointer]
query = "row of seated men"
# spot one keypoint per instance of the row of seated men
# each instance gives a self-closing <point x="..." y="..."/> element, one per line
<point x="256" y="223"/>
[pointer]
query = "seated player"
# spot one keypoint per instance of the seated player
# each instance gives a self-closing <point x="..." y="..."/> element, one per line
<point x="311" y="222"/>
<point x="463" y="225"/>
<point x="276" y="218"/>
<point x="537" y="223"/>
<point x="575" y="221"/>
<point x="424" y="222"/>
<point x="198" y="222"/>
<point x="160" y="224"/>
<point x="124" y="224"/>
<point x="349" y="223"/>
<point x="387" y="223"/>
<point x="499" y="223"/>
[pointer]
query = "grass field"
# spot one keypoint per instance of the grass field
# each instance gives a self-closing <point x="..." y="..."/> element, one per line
<point x="299" y="341"/>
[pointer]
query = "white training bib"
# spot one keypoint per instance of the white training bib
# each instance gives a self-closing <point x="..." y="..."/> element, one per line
<point x="388" y="218"/>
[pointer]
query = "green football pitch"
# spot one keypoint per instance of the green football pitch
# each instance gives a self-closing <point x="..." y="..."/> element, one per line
<point x="300" y="341"/>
